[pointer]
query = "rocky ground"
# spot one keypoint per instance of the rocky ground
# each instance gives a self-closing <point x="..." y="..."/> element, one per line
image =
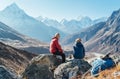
<point x="18" y="64"/>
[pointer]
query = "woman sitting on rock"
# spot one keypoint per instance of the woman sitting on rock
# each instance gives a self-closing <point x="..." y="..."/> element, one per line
<point x="79" y="50"/>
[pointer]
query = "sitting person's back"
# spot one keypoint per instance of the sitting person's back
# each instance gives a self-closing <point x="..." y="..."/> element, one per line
<point x="79" y="51"/>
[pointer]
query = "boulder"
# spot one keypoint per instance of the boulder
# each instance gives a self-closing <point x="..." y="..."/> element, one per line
<point x="40" y="67"/>
<point x="6" y="73"/>
<point x="71" y="69"/>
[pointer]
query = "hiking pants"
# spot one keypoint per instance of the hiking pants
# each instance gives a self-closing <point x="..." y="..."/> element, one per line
<point x="62" y="55"/>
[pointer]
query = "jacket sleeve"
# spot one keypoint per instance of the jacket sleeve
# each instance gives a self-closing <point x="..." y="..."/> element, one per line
<point x="58" y="46"/>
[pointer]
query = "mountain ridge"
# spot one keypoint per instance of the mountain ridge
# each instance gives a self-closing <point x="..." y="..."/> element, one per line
<point x="108" y="38"/>
<point x="71" y="26"/>
<point x="103" y="37"/>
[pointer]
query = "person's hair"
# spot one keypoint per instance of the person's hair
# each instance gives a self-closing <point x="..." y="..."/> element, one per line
<point x="57" y="34"/>
<point x="78" y="40"/>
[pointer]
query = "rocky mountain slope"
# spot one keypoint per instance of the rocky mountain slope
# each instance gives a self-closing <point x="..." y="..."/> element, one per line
<point x="107" y="39"/>
<point x="14" y="59"/>
<point x="85" y="34"/>
<point x="103" y="37"/>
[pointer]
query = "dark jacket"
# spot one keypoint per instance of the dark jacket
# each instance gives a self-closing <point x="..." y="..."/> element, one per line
<point x="79" y="51"/>
<point x="55" y="46"/>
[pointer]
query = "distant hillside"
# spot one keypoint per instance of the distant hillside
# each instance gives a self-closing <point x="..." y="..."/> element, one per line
<point x="13" y="38"/>
<point x="85" y="34"/>
<point x="8" y="33"/>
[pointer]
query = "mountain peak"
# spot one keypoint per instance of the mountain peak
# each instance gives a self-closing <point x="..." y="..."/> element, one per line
<point x="13" y="10"/>
<point x="115" y="14"/>
<point x="80" y="18"/>
<point x="63" y="21"/>
<point x="13" y="6"/>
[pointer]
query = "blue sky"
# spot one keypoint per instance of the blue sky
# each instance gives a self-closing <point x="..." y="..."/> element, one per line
<point x="69" y="9"/>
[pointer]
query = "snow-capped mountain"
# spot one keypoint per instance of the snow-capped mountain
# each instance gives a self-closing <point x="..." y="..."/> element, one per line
<point x="25" y="24"/>
<point x="81" y="23"/>
<point x="47" y="21"/>
<point x="51" y="23"/>
<point x="72" y="26"/>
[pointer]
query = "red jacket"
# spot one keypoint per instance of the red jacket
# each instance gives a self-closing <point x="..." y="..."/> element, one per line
<point x="55" y="46"/>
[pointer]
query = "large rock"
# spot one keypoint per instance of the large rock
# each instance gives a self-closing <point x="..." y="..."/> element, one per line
<point x="71" y="69"/>
<point x="40" y="67"/>
<point x="6" y="73"/>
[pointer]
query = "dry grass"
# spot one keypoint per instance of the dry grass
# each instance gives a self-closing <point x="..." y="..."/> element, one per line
<point x="107" y="74"/>
<point x="110" y="73"/>
<point x="113" y="73"/>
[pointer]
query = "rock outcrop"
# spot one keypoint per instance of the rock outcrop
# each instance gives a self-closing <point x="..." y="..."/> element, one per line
<point x="71" y="69"/>
<point x="41" y="67"/>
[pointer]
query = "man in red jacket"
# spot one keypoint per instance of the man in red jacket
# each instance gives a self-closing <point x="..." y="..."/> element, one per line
<point x="55" y="47"/>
